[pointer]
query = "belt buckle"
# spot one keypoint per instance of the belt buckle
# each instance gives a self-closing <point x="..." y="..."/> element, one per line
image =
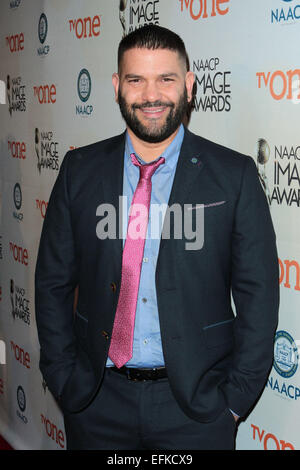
<point x="135" y="376"/>
<point x="143" y="376"/>
<point x="132" y="375"/>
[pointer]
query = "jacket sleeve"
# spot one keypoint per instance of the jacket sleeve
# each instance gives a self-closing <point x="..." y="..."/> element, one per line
<point x="56" y="277"/>
<point x="255" y="291"/>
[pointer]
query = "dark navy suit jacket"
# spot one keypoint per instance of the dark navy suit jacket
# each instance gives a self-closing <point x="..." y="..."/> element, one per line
<point x="215" y="358"/>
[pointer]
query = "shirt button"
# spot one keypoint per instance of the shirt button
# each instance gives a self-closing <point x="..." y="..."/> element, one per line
<point x="145" y="341"/>
<point x="145" y="260"/>
<point x="144" y="300"/>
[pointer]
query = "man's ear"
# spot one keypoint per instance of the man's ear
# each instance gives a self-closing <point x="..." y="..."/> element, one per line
<point x="189" y="83"/>
<point x="116" y="82"/>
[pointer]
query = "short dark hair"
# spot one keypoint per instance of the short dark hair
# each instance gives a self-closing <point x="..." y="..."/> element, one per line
<point x="153" y="37"/>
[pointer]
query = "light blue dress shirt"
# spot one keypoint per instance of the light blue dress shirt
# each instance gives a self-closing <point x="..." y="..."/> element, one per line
<point x="147" y="348"/>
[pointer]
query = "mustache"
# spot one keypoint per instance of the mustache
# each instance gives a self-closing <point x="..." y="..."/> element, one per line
<point x="153" y="104"/>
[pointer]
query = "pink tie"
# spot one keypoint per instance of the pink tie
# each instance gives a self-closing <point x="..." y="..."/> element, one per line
<point x="120" y="350"/>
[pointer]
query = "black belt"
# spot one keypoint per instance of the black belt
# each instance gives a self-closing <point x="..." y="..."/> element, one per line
<point x="141" y="374"/>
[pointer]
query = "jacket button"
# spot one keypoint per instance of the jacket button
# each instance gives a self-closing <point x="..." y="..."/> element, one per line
<point x="113" y="286"/>
<point x="105" y="334"/>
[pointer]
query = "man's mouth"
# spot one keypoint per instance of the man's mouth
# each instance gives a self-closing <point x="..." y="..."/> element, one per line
<point x="153" y="111"/>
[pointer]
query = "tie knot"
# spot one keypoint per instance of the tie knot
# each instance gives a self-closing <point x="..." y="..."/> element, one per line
<point x="147" y="170"/>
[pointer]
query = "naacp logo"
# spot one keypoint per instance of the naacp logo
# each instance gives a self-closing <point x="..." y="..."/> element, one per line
<point x="84" y="85"/>
<point x="17" y="196"/>
<point x="43" y="28"/>
<point x="285" y="354"/>
<point x="44" y="49"/>
<point x="288" y="14"/>
<point x="21" y="398"/>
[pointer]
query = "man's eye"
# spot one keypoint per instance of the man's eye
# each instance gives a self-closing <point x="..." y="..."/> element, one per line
<point x="134" y="80"/>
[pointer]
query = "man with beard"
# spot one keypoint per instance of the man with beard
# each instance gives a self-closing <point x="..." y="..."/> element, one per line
<point x="154" y="356"/>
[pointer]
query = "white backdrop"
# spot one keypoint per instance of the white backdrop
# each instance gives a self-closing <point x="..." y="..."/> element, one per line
<point x="245" y="57"/>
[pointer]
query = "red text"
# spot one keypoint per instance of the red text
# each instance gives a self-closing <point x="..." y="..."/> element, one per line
<point x="86" y="27"/>
<point x="284" y="273"/>
<point x="17" y="149"/>
<point x="269" y="440"/>
<point x="52" y="431"/>
<point x="20" y="355"/>
<point x="42" y="206"/>
<point x="204" y="8"/>
<point x="15" y="42"/>
<point x="19" y="254"/>
<point x="45" y="93"/>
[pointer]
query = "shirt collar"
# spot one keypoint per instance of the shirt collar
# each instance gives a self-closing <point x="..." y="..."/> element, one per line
<point x="170" y="154"/>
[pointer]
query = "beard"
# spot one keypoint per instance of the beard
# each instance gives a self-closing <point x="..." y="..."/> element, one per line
<point x="155" y="132"/>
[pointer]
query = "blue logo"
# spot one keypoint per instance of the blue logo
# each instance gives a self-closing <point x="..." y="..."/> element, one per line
<point x="17" y="193"/>
<point x="286" y="15"/>
<point x="285" y="354"/>
<point x="17" y="196"/>
<point x="84" y="85"/>
<point x="21" y="398"/>
<point x="43" y="28"/>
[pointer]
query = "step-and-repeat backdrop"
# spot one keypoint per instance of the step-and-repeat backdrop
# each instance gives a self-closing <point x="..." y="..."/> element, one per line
<point x="57" y="58"/>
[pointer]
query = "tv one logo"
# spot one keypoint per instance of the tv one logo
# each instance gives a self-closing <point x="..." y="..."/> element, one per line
<point x="19" y="253"/>
<point x="53" y="432"/>
<point x="17" y="149"/>
<point x="86" y="27"/>
<point x="285" y="268"/>
<point x="21" y="356"/>
<point x="15" y="42"/>
<point x="269" y="440"/>
<point x="45" y="93"/>
<point x="41" y="205"/>
<point x="205" y="8"/>
<point x="281" y="84"/>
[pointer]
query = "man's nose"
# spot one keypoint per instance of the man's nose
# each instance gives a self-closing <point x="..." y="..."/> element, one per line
<point x="151" y="92"/>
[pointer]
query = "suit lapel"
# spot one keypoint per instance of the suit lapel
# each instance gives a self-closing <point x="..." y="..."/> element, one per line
<point x="189" y="166"/>
<point x="112" y="187"/>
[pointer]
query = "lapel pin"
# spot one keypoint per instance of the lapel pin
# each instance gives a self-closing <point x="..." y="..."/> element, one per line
<point x="196" y="161"/>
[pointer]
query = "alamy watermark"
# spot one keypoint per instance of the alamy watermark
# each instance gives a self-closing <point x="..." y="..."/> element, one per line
<point x="295" y="91"/>
<point x="181" y="222"/>
<point x="2" y="352"/>
<point x="2" y="92"/>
